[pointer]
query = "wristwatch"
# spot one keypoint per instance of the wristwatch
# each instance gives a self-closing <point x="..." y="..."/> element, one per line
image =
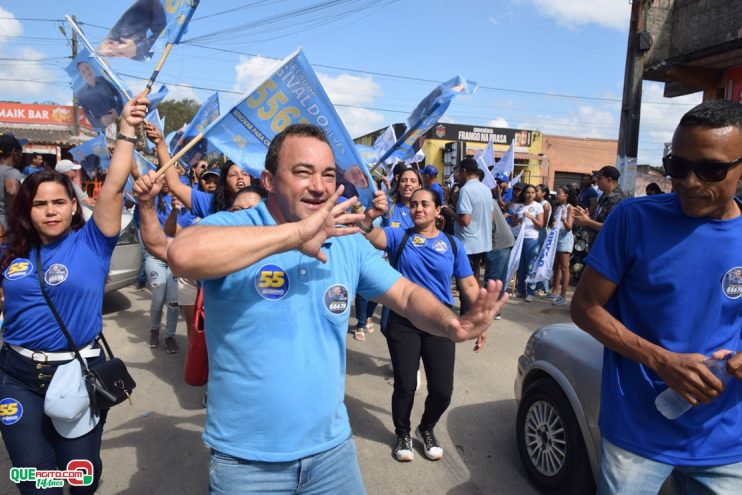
<point x="132" y="140"/>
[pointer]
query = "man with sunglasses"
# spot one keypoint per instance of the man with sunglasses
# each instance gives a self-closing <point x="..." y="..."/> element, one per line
<point x="659" y="293"/>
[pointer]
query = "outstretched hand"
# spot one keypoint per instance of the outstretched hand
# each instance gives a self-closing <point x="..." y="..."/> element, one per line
<point x="332" y="220"/>
<point x="480" y="315"/>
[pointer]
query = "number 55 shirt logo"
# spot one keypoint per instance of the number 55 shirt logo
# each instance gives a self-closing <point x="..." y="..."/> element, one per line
<point x="272" y="282"/>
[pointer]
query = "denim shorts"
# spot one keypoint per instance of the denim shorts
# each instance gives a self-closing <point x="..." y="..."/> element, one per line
<point x="625" y="473"/>
<point x="566" y="241"/>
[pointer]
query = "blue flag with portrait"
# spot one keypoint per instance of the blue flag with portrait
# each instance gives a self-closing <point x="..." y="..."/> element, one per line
<point x="292" y="94"/>
<point x="143" y="166"/>
<point x="147" y="26"/>
<point x="427" y="113"/>
<point x="100" y="99"/>
<point x="93" y="154"/>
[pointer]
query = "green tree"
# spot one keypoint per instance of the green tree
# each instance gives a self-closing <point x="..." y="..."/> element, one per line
<point x="177" y="112"/>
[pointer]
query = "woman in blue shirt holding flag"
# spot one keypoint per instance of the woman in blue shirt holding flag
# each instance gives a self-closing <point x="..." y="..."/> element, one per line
<point x="398" y="215"/>
<point x="52" y="244"/>
<point x="429" y="258"/>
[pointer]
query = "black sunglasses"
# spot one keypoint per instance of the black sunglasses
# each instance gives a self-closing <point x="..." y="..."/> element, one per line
<point x="707" y="171"/>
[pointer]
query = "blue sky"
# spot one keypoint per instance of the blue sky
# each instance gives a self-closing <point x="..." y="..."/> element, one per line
<point x="376" y="58"/>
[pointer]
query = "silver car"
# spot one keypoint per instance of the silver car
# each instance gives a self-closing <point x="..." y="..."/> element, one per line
<point x="558" y="392"/>
<point x="127" y="256"/>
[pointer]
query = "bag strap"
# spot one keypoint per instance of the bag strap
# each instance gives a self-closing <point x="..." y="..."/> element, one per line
<point x="454" y="247"/>
<point x="398" y="254"/>
<point x="62" y="326"/>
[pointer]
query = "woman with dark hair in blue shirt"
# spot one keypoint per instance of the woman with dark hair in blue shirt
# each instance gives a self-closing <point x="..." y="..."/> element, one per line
<point x="429" y="258"/>
<point x="52" y="241"/>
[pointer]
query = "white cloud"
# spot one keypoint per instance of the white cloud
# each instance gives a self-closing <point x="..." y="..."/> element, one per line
<point x="658" y="122"/>
<point x="9" y="25"/>
<point x="346" y="91"/>
<point x="252" y="70"/>
<point x="26" y="76"/>
<point x="587" y="121"/>
<point x="613" y="14"/>
<point x="182" y="92"/>
<point x="498" y="122"/>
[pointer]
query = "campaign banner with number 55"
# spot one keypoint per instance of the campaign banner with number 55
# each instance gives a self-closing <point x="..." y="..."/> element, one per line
<point x="292" y="94"/>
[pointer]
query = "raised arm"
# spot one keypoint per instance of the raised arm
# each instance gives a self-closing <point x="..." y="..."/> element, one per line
<point x="204" y="251"/>
<point x="146" y="189"/>
<point x="179" y="190"/>
<point x="107" y="212"/>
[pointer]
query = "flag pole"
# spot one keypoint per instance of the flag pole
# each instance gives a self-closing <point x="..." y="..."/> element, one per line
<point x="179" y="154"/>
<point x="156" y="72"/>
<point x="174" y="40"/>
<point x="402" y="139"/>
<point x="109" y="72"/>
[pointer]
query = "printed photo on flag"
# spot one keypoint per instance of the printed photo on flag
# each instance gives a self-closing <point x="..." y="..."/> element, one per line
<point x="92" y="155"/>
<point x="135" y="32"/>
<point x="100" y="99"/>
<point x="205" y="115"/>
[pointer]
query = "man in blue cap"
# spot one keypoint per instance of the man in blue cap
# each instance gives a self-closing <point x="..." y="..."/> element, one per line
<point x="430" y="176"/>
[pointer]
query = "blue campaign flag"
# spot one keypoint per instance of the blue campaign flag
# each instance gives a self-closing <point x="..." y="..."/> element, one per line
<point x="290" y="95"/>
<point x="426" y="115"/>
<point x="92" y="154"/>
<point x="146" y="26"/>
<point x="157" y="97"/>
<point x="101" y="100"/>
<point x="205" y="115"/>
<point x="153" y="117"/>
<point x="143" y="166"/>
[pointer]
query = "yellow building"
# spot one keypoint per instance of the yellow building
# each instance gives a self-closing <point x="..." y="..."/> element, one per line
<point x="445" y="145"/>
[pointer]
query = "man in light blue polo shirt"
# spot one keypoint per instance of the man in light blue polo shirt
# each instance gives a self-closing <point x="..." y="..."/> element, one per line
<point x="278" y="284"/>
<point x="473" y="217"/>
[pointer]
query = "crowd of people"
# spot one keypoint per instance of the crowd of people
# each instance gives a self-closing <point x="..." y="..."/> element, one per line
<point x="289" y="243"/>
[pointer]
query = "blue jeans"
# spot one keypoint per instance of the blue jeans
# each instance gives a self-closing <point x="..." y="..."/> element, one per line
<point x="164" y="291"/>
<point x="364" y="310"/>
<point x="496" y="265"/>
<point x="527" y="258"/>
<point x="329" y="472"/>
<point x="142" y="278"/>
<point x="622" y="472"/>
<point x="32" y="441"/>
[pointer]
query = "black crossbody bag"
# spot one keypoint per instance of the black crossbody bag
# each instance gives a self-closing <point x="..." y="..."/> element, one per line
<point x="108" y="382"/>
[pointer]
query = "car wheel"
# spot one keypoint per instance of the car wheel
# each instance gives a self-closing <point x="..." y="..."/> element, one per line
<point x="549" y="440"/>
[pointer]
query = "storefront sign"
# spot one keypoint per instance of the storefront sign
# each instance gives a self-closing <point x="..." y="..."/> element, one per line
<point x="38" y="114"/>
<point x="455" y="132"/>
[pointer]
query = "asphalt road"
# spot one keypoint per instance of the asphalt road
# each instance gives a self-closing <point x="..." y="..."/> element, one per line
<point x="154" y="445"/>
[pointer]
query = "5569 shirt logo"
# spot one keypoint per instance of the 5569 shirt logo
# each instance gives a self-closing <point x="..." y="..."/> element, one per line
<point x="272" y="282"/>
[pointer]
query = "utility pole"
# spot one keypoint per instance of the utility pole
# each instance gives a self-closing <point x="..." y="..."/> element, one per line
<point x="628" y="136"/>
<point x="75" y="106"/>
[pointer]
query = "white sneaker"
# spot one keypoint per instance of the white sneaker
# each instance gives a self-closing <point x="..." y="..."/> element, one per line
<point x="431" y="445"/>
<point x="403" y="450"/>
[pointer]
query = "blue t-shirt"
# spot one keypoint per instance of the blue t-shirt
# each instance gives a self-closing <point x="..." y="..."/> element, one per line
<point x="475" y="199"/>
<point x="584" y="197"/>
<point x="427" y="262"/>
<point x="437" y="188"/>
<point x="398" y="217"/>
<point x="276" y="339"/>
<point x="202" y="203"/>
<point x="185" y="217"/>
<point x="30" y="169"/>
<point x="674" y="288"/>
<point x="75" y="270"/>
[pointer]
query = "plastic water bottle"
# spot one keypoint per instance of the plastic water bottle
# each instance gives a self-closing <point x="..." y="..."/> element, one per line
<point x="672" y="405"/>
